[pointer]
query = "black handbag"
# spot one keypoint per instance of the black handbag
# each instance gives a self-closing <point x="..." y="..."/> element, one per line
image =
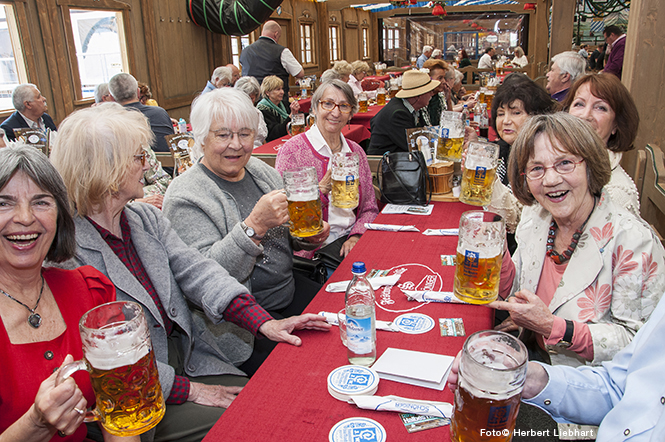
<point x="312" y="269"/>
<point x="404" y="179"/>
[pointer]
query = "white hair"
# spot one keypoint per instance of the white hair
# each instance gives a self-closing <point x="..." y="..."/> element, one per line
<point x="570" y="62"/>
<point x="427" y="48"/>
<point x="222" y="72"/>
<point x="22" y="93"/>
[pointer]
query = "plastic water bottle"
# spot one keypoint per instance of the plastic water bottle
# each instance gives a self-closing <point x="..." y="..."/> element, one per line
<point x="182" y="126"/>
<point x="360" y="318"/>
<point x="465" y="111"/>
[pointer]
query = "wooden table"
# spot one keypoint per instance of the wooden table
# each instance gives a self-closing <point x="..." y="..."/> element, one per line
<point x="287" y="399"/>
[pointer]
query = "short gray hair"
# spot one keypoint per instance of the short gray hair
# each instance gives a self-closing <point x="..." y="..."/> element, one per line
<point x="249" y="85"/>
<point x="427" y="48"/>
<point x="101" y="90"/>
<point x="458" y="76"/>
<point x="222" y="73"/>
<point x="572" y="63"/>
<point x="340" y="85"/>
<point x="226" y="105"/>
<point x="21" y="94"/>
<point x="19" y="157"/>
<point x="330" y="75"/>
<point x="123" y="87"/>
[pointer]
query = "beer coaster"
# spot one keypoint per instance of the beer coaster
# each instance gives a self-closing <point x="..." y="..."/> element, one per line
<point x="448" y="260"/>
<point x="357" y="429"/>
<point x="416" y="422"/>
<point x="414" y="323"/>
<point x="452" y="327"/>
<point x="352" y="380"/>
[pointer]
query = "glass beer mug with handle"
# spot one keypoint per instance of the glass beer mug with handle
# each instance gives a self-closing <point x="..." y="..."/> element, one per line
<point x="117" y="352"/>
<point x="478" y="173"/>
<point x="297" y="125"/>
<point x="451" y="136"/>
<point x="304" y="204"/>
<point x="479" y="254"/>
<point x="345" y="173"/>
<point x="492" y="372"/>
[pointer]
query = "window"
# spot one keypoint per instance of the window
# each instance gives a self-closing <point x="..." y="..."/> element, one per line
<point x="333" y="32"/>
<point x="390" y="39"/>
<point x="101" y="48"/>
<point x="237" y="45"/>
<point x="12" y="65"/>
<point x="306" y="51"/>
<point x="365" y="43"/>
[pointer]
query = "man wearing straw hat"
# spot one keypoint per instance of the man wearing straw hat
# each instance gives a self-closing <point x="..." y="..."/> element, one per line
<point x="389" y="126"/>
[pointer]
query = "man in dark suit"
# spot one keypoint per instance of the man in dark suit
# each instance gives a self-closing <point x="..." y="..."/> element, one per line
<point x="30" y="112"/>
<point x="389" y="126"/>
<point x="125" y="90"/>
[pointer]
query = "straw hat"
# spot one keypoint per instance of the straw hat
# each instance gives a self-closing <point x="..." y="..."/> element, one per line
<point x="415" y="83"/>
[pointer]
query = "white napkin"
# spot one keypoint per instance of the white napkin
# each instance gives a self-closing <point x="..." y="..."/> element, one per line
<point x="441" y="232"/>
<point x="391" y="227"/>
<point x="403" y="405"/>
<point x="427" y="296"/>
<point x="331" y="318"/>
<point x="376" y="283"/>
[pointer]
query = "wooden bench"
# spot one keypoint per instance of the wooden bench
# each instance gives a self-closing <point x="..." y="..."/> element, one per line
<point x="652" y="200"/>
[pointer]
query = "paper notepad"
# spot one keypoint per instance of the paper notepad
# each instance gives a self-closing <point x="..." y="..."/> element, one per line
<point x="428" y="370"/>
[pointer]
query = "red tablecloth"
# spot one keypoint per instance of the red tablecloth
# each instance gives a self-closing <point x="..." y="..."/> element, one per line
<point x="287" y="399"/>
<point x="353" y="132"/>
<point x="305" y="105"/>
<point x="364" y="118"/>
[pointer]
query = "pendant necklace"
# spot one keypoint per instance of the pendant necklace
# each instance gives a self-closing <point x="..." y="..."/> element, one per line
<point x="34" y="319"/>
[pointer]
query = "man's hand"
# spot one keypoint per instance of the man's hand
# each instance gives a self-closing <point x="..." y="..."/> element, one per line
<point x="212" y="395"/>
<point x="280" y="330"/>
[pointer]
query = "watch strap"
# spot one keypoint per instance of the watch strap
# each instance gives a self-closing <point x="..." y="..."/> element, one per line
<point x="567" y="339"/>
<point x="247" y="229"/>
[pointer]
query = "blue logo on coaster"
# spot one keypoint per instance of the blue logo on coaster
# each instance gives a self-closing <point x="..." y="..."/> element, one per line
<point x="414" y="323"/>
<point x="365" y="435"/>
<point x="358" y="379"/>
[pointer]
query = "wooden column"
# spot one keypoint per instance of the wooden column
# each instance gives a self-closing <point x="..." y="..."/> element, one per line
<point x="539" y="39"/>
<point x="644" y="73"/>
<point x="563" y="13"/>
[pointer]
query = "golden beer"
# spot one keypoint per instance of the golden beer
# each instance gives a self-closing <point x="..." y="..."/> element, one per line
<point x="362" y="105"/>
<point x="345" y="193"/>
<point x="476" y="277"/>
<point x="477" y="419"/>
<point x="305" y="218"/>
<point x="477" y="185"/>
<point x="129" y="397"/>
<point x="449" y="149"/>
<point x="393" y="92"/>
<point x="295" y="129"/>
<point x="381" y="98"/>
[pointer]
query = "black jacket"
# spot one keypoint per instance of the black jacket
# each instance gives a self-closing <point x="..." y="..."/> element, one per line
<point x="16" y="121"/>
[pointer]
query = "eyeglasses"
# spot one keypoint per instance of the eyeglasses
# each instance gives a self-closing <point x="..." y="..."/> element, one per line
<point x="562" y="167"/>
<point x="329" y="105"/>
<point x="141" y="157"/>
<point x="225" y="136"/>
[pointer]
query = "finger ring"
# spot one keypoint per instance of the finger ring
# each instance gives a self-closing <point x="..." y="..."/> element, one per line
<point x="79" y="411"/>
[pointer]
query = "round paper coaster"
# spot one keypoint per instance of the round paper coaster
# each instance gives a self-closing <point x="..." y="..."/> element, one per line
<point x="414" y="323"/>
<point x="352" y="380"/>
<point x="357" y="429"/>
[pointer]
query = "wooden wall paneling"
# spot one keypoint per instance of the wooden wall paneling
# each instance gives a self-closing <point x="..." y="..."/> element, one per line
<point x="351" y="37"/>
<point x="323" y="41"/>
<point x="563" y="12"/>
<point x="306" y="13"/>
<point x="148" y="20"/>
<point x="539" y="44"/>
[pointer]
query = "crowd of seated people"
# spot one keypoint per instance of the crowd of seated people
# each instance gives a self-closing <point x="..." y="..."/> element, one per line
<point x="568" y="202"/>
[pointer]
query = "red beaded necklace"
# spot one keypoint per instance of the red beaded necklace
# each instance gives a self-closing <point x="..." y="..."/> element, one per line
<point x="565" y="256"/>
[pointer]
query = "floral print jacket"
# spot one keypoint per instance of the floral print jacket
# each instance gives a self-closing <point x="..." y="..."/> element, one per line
<point x="613" y="281"/>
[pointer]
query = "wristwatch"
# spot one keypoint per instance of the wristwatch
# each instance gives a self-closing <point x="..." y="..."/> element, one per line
<point x="567" y="339"/>
<point x="250" y="231"/>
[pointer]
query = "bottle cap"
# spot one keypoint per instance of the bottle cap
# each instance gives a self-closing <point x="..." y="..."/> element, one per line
<point x="352" y="380"/>
<point x="358" y="267"/>
<point x="357" y="428"/>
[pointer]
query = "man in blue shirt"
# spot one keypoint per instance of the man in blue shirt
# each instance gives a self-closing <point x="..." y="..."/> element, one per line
<point x="427" y="53"/>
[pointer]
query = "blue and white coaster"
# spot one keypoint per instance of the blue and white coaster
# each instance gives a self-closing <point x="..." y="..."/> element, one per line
<point x="352" y="380"/>
<point x="414" y="323"/>
<point x="357" y="429"/>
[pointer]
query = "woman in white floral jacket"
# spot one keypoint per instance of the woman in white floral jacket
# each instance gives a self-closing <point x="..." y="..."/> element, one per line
<point x="587" y="273"/>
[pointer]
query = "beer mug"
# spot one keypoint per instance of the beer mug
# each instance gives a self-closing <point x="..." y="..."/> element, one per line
<point x="118" y="354"/>
<point x="414" y="62"/>
<point x="479" y="172"/>
<point x="451" y="137"/>
<point x="345" y="180"/>
<point x="492" y="372"/>
<point x="381" y="96"/>
<point x="297" y="125"/>
<point x="362" y="102"/>
<point x="479" y="255"/>
<point x="394" y="88"/>
<point x="302" y="194"/>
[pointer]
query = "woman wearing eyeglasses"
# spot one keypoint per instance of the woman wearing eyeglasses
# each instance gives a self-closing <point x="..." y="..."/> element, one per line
<point x="587" y="273"/>
<point x="100" y="157"/>
<point x="333" y="105"/>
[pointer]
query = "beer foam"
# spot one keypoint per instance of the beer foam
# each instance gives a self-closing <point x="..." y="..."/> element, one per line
<point x="484" y="252"/>
<point x="303" y="196"/>
<point x="119" y="352"/>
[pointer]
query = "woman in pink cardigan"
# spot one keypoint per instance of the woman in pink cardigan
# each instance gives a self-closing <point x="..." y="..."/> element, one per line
<point x="333" y="105"/>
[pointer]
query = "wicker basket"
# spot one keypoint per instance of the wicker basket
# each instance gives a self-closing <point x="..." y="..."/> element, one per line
<point x="441" y="177"/>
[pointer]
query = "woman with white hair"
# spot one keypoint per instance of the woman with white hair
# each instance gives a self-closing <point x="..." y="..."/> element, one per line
<point x="230" y="206"/>
<point x="520" y="59"/>
<point x="360" y="70"/>
<point x="344" y="69"/>
<point x="252" y="88"/>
